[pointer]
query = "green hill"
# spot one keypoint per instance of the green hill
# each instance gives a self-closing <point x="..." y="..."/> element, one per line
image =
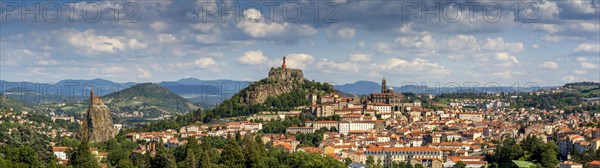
<point x="149" y="98"/>
<point x="282" y="90"/>
<point x="586" y="89"/>
<point x="9" y="103"/>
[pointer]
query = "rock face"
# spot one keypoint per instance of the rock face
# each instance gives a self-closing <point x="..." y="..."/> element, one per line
<point x="280" y="81"/>
<point x="98" y="124"/>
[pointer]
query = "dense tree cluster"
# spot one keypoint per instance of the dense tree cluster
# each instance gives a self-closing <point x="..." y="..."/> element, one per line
<point x="530" y="149"/>
<point x="279" y="126"/>
<point x="24" y="146"/>
<point x="246" y="151"/>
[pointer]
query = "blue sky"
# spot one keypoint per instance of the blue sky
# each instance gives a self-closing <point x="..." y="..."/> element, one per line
<point x="155" y="41"/>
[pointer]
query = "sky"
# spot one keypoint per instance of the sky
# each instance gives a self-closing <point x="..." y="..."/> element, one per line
<point x="465" y="42"/>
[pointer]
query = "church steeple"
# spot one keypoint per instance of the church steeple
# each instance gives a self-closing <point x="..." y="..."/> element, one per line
<point x="92" y="96"/>
<point x="383" y="85"/>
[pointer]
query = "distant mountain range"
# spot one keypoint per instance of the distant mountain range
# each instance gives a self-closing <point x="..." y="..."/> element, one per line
<point x="204" y="92"/>
<point x="367" y="87"/>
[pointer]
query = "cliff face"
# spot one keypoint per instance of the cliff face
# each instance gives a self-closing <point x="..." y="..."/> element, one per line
<point x="280" y="81"/>
<point x="98" y="124"/>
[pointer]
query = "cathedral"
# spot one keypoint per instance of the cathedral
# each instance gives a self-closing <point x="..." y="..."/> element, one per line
<point x="387" y="96"/>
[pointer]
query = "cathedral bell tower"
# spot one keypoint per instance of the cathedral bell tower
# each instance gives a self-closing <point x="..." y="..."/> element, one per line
<point x="383" y="86"/>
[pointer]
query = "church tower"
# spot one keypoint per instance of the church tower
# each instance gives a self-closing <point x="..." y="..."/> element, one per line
<point x="383" y="85"/>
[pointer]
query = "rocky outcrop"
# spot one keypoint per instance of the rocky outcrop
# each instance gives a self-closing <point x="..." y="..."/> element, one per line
<point x="280" y="81"/>
<point x="98" y="124"/>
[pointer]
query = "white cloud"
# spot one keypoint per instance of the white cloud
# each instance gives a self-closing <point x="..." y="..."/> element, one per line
<point x="166" y="38"/>
<point x="506" y="58"/>
<point x="550" y="28"/>
<point x="159" y="26"/>
<point x="145" y="74"/>
<point x="550" y="38"/>
<point x="570" y="78"/>
<point x="383" y="47"/>
<point x="416" y="65"/>
<point x="298" y="61"/>
<point x="359" y="57"/>
<point x="579" y="72"/>
<point x="46" y="62"/>
<point x="201" y="62"/>
<point x="205" y="62"/>
<point x="254" y="26"/>
<point x="546" y="10"/>
<point x="585" y="26"/>
<point x="253" y="57"/>
<point x="588" y="47"/>
<point x="498" y="44"/>
<point x="549" y="65"/>
<point x="425" y="41"/>
<point x="505" y="74"/>
<point x="207" y="39"/>
<point x="329" y="66"/>
<point x="535" y="46"/>
<point x="345" y="33"/>
<point x="462" y="42"/>
<point x="114" y="70"/>
<point x="584" y="7"/>
<point x="581" y="59"/>
<point x="207" y="27"/>
<point x="133" y="43"/>
<point x="587" y="65"/>
<point x="93" y="44"/>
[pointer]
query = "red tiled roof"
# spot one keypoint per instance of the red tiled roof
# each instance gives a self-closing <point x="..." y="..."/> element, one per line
<point x="403" y="149"/>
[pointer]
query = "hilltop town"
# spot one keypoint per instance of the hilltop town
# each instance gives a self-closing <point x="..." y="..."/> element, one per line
<point x="299" y="118"/>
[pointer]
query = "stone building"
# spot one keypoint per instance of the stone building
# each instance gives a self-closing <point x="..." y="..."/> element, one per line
<point x="387" y="96"/>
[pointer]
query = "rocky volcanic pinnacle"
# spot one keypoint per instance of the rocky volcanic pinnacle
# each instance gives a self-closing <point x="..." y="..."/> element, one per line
<point x="98" y="124"/>
<point x="280" y="81"/>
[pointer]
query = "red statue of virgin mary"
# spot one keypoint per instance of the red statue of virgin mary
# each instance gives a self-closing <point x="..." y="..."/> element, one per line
<point x="283" y="65"/>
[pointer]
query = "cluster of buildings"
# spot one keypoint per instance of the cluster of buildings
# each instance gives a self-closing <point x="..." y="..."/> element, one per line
<point x="387" y="129"/>
<point x="61" y="154"/>
<point x="24" y="118"/>
<point x="383" y="126"/>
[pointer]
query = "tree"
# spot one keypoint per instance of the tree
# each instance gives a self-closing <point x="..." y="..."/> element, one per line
<point x="549" y="158"/>
<point x="205" y="160"/>
<point x="81" y="157"/>
<point x="370" y="161"/>
<point x="115" y="156"/>
<point x="348" y="161"/>
<point x="190" y="159"/>
<point x="163" y="159"/>
<point x="125" y="163"/>
<point x="254" y="153"/>
<point x="333" y="129"/>
<point x="232" y="155"/>
<point x="25" y="154"/>
<point x="459" y="164"/>
<point x="305" y="160"/>
<point x="141" y="160"/>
